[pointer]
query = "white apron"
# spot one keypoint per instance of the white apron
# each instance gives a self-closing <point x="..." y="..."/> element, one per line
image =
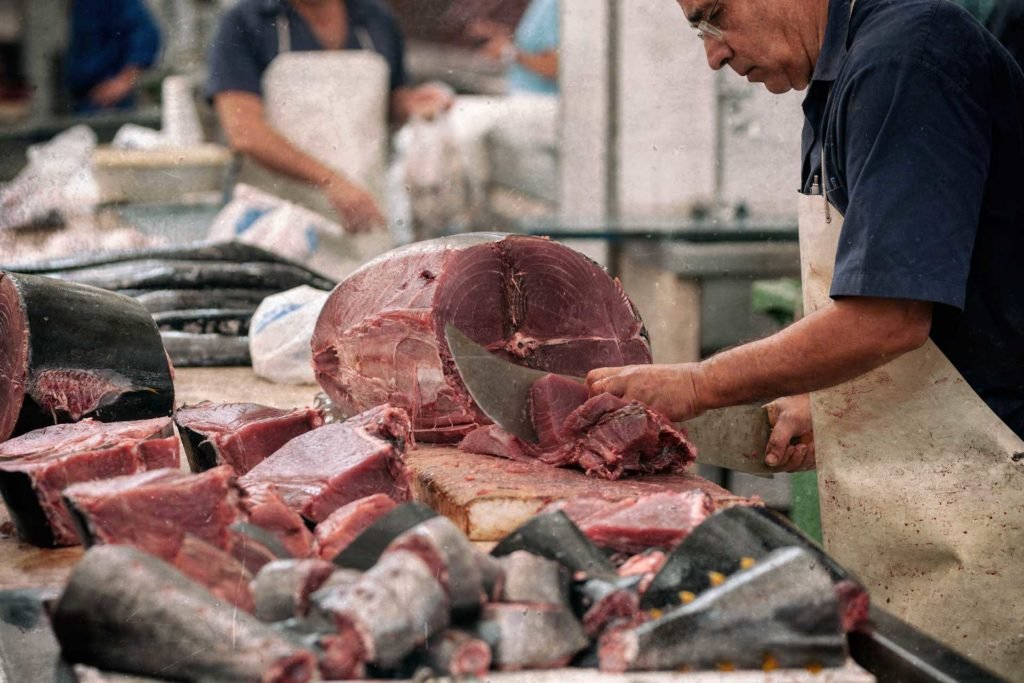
<point x="332" y="105"/>
<point x="921" y="485"/>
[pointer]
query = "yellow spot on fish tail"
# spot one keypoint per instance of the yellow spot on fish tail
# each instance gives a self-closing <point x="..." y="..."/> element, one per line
<point x="814" y="667"/>
<point x="725" y="666"/>
<point x="770" y="663"/>
<point x="655" y="613"/>
<point x="747" y="562"/>
<point x="716" y="578"/>
<point x="686" y="597"/>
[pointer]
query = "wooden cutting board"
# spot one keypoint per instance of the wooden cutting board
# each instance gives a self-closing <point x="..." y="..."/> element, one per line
<point x="489" y="497"/>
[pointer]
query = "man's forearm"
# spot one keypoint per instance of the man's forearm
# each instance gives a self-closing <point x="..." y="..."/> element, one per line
<point x="837" y="343"/>
<point x="271" y="149"/>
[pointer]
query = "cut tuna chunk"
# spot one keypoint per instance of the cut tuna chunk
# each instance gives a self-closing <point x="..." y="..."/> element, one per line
<point x="318" y="472"/>
<point x="239" y="434"/>
<point x="380" y="335"/>
<point x="154" y="510"/>
<point x="69" y="351"/>
<point x="458" y="654"/>
<point x="263" y="508"/>
<point x="36" y="467"/>
<point x="282" y="588"/>
<point x="222" y="574"/>
<point x="660" y="520"/>
<point x="493" y="440"/>
<point x="530" y="636"/>
<point x="343" y="525"/>
<point x="552" y="400"/>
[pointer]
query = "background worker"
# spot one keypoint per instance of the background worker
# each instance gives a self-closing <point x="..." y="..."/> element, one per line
<point x="254" y="32"/>
<point x="110" y="45"/>
<point x="531" y="51"/>
<point x="911" y="234"/>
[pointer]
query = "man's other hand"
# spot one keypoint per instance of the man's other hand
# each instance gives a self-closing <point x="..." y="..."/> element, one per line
<point x="356" y="207"/>
<point x="668" y="389"/>
<point x="791" y="444"/>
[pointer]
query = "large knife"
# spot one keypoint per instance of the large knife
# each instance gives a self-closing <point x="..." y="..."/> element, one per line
<point x="732" y="438"/>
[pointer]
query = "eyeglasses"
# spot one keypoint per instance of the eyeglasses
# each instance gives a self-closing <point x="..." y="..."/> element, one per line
<point x="705" y="29"/>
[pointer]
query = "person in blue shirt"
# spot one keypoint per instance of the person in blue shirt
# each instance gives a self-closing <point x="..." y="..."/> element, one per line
<point x="111" y="43"/>
<point x="253" y="32"/>
<point x="531" y="51"/>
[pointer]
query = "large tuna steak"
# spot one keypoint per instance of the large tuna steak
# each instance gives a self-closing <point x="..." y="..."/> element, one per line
<point x="69" y="351"/>
<point x="380" y="336"/>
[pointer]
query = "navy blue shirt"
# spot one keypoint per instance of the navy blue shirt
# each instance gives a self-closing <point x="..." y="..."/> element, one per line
<point x="922" y="116"/>
<point x="105" y="37"/>
<point x="246" y="41"/>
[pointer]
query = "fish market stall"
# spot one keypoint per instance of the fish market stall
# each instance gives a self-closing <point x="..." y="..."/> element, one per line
<point x="392" y="526"/>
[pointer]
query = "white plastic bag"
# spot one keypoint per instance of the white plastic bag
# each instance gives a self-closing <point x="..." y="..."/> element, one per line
<point x="58" y="179"/>
<point x="277" y="225"/>
<point x="432" y="169"/>
<point x="280" y="334"/>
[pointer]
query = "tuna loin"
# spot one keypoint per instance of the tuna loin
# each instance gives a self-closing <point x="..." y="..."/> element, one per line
<point x="36" y="467"/>
<point x="128" y="611"/>
<point x="380" y="336"/>
<point x="320" y="471"/>
<point x="69" y="351"/>
<point x="660" y="520"/>
<point x="782" y="611"/>
<point x="238" y="434"/>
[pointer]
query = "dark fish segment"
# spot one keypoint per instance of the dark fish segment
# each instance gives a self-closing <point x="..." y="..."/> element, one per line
<point x="183" y="274"/>
<point x="603" y="604"/>
<point x="226" y="321"/>
<point x="238" y="252"/>
<point x="112" y="368"/>
<point x="265" y="511"/>
<point x="380" y="336"/>
<point x="364" y="551"/>
<point x="738" y="535"/>
<point x="343" y="525"/>
<point x="783" y="611"/>
<point x="529" y="578"/>
<point x="248" y="544"/>
<point x="161" y="300"/>
<point x="555" y="537"/>
<point x="393" y="608"/>
<point x="451" y="558"/>
<point x="188" y="350"/>
<point x="282" y="588"/>
<point x="523" y="636"/>
<point x="238" y="434"/>
<point x="319" y="471"/>
<point x="125" y="610"/>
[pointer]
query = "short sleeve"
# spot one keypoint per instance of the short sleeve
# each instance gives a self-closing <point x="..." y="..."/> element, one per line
<point x="233" y="59"/>
<point x="914" y="148"/>
<point x="539" y="28"/>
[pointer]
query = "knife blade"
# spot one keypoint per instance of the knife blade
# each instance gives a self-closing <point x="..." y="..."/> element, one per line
<point x="731" y="438"/>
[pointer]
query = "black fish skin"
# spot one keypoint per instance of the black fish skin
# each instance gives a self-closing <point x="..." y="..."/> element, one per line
<point x="181" y="274"/>
<point x="90" y="333"/>
<point x="125" y="610"/>
<point x="226" y="321"/>
<point x="554" y="536"/>
<point x="162" y="300"/>
<point x="204" y="350"/>
<point x="784" y="608"/>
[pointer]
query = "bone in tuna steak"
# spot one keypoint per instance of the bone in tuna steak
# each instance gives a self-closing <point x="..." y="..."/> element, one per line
<point x="380" y="336"/>
<point x="111" y="367"/>
<point x="783" y="611"/>
<point x="239" y="434"/>
<point x="319" y="471"/>
<point x="36" y="467"/>
<point x="343" y="525"/>
<point x="154" y="510"/>
<point x="127" y="611"/>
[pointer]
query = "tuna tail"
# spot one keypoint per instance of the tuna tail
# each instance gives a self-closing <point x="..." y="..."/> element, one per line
<point x="554" y="536"/>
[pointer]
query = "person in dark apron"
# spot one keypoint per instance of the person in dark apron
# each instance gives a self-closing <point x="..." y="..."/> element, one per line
<point x="912" y="343"/>
<point x="253" y="32"/>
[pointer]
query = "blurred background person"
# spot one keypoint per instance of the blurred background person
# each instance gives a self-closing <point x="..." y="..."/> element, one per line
<point x="111" y="43"/>
<point x="254" y="32"/>
<point x="531" y="51"/>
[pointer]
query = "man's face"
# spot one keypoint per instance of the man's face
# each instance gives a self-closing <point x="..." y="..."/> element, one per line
<point x="774" y="42"/>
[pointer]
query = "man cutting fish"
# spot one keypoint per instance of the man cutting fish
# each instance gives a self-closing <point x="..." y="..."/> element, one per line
<point x="254" y="32"/>
<point x="912" y="346"/>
